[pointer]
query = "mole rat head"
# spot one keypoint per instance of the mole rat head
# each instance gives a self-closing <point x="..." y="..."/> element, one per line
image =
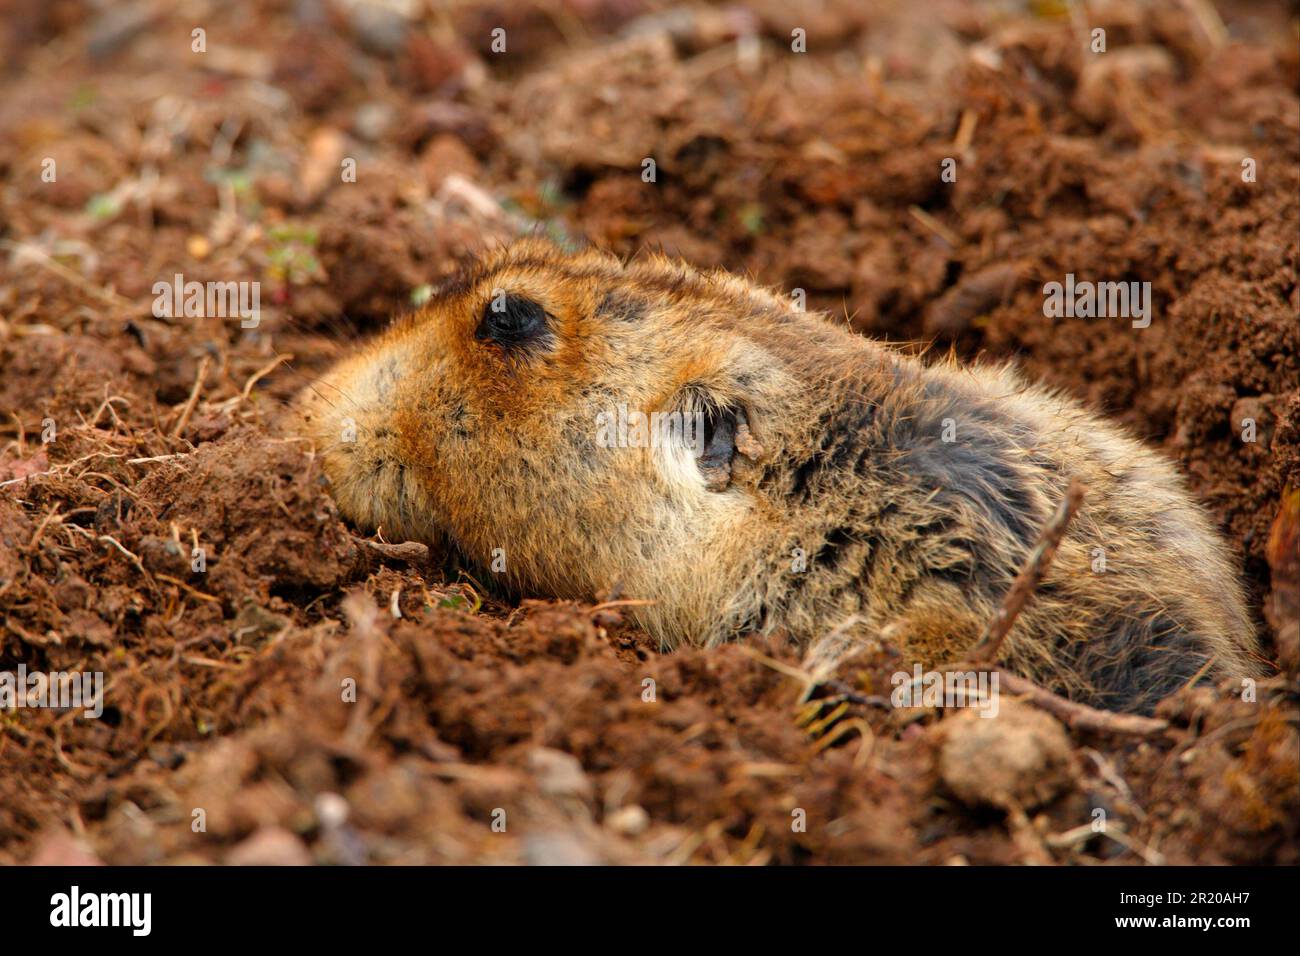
<point x="572" y="422"/>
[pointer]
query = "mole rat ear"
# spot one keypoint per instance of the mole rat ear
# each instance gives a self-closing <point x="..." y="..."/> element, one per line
<point x="727" y="404"/>
<point x="722" y="432"/>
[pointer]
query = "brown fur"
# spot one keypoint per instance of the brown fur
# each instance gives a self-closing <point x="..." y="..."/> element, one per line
<point x="908" y="538"/>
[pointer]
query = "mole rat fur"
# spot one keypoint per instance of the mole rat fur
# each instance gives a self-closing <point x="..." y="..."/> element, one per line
<point x="841" y="487"/>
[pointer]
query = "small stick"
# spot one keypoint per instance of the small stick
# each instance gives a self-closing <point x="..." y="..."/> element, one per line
<point x="803" y="677"/>
<point x="260" y="373"/>
<point x="109" y="539"/>
<point x="145" y="461"/>
<point x="185" y="587"/>
<point x="1080" y="716"/>
<point x="1149" y="856"/>
<point x="1040" y="559"/>
<point x="627" y="602"/>
<point x="22" y="435"/>
<point x="193" y="400"/>
<point x="841" y="689"/>
<point x="406" y="551"/>
<point x="40" y="529"/>
<point x="935" y="226"/>
<point x="1210" y="22"/>
<point x="965" y="130"/>
<point x="46" y="261"/>
<point x="106" y="405"/>
<point x="1205" y="669"/>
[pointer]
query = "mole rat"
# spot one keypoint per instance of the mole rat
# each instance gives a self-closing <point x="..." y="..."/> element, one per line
<point x="817" y="483"/>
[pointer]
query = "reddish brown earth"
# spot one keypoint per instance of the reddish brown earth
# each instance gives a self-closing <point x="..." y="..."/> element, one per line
<point x="818" y="171"/>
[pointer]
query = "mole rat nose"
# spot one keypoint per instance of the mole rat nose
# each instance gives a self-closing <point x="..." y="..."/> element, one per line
<point x="350" y="411"/>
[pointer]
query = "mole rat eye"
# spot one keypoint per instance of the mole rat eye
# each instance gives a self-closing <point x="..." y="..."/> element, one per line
<point x="511" y="320"/>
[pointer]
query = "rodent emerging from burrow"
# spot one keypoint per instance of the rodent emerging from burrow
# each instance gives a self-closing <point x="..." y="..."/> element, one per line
<point x="838" y="486"/>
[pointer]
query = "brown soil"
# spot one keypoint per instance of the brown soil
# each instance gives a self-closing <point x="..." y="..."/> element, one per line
<point x="818" y="171"/>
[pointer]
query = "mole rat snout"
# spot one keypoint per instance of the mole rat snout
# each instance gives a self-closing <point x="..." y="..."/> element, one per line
<point x="352" y="416"/>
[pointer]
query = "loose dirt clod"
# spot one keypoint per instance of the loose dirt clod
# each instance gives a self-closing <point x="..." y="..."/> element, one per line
<point x="1020" y="758"/>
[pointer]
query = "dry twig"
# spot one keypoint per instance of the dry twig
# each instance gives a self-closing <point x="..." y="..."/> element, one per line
<point x="193" y="400"/>
<point x="1040" y="559"/>
<point x="1080" y="716"/>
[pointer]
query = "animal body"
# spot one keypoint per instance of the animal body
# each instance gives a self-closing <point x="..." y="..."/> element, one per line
<point x="836" y="486"/>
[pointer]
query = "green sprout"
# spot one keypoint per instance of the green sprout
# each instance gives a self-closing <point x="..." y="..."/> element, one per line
<point x="83" y="97"/>
<point x="292" y="254"/>
<point x="104" y="206"/>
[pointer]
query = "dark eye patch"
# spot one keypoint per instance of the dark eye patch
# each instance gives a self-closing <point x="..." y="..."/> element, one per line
<point x="511" y="321"/>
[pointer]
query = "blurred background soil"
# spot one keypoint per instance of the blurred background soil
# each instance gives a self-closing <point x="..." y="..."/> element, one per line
<point x="487" y="732"/>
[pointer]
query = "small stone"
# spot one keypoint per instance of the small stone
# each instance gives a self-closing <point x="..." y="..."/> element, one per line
<point x="198" y="247"/>
<point x="270" y="846"/>
<point x="331" y="810"/>
<point x="631" y="820"/>
<point x="1020" y="758"/>
<point x="379" y="27"/>
<point x="321" y="165"/>
<point x="559" y="774"/>
<point x="63" y="849"/>
<point x="557" y="849"/>
<point x="118" y="27"/>
<point x="372" y="121"/>
<point x="444" y="156"/>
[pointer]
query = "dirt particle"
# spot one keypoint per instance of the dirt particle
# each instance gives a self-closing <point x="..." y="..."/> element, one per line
<point x="1020" y="758"/>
